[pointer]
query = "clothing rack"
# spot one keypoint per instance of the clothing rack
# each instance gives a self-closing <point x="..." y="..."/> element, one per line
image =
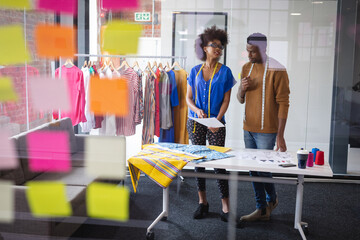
<point x="183" y="58"/>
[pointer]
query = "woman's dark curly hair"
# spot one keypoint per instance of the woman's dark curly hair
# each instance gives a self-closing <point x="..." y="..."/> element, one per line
<point x="209" y="35"/>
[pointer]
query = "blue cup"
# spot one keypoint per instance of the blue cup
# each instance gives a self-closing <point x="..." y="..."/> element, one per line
<point x="302" y="156"/>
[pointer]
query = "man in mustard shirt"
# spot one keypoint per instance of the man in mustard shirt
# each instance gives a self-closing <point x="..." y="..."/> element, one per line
<point x="265" y="91"/>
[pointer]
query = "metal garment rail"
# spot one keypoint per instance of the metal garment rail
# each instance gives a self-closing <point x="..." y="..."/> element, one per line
<point x="183" y="58"/>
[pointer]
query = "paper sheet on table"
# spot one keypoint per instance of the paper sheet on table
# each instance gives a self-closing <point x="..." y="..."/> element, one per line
<point x="8" y="158"/>
<point x="108" y="201"/>
<point x="105" y="157"/>
<point x="15" y="4"/>
<point x="7" y="202"/>
<point x="48" y="199"/>
<point x="7" y="92"/>
<point x="49" y="94"/>
<point x="120" y="37"/>
<point x="63" y="6"/>
<point x="54" y="41"/>
<point x="208" y="122"/>
<point x="119" y="5"/>
<point x="48" y="151"/>
<point x="267" y="157"/>
<point x="12" y="45"/>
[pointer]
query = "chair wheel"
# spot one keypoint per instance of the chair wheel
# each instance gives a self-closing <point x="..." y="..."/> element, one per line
<point x="150" y="235"/>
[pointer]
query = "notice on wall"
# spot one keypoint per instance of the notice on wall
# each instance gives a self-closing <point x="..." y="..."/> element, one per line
<point x="105" y="157"/>
<point x="48" y="199"/>
<point x="108" y="201"/>
<point x="12" y="45"/>
<point x="7" y="202"/>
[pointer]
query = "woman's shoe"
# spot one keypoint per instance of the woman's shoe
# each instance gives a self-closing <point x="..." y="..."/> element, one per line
<point x="224" y="216"/>
<point x="201" y="211"/>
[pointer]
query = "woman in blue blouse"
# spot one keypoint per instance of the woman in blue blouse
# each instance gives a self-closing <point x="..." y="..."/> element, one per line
<point x="208" y="95"/>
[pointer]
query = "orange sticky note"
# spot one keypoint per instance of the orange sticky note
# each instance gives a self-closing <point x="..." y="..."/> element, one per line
<point x="54" y="41"/>
<point x="109" y="96"/>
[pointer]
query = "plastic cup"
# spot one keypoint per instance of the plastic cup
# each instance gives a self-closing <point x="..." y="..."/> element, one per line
<point x="319" y="158"/>
<point x="314" y="151"/>
<point x="310" y="160"/>
<point x="302" y="156"/>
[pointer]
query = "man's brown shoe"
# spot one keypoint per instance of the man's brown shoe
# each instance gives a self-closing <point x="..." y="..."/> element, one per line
<point x="273" y="205"/>
<point x="257" y="215"/>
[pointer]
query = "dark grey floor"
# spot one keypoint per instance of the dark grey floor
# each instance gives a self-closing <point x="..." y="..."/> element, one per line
<point x="332" y="211"/>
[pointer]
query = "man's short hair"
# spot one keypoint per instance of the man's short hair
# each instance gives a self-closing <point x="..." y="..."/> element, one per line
<point x="259" y="40"/>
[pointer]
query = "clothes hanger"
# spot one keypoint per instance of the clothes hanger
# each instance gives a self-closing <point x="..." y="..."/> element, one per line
<point x="154" y="64"/>
<point x="68" y="63"/>
<point x="176" y="64"/>
<point x="89" y="64"/>
<point x="85" y="64"/>
<point x="124" y="64"/>
<point x="136" y="64"/>
<point x="150" y="69"/>
<point x="160" y="66"/>
<point x="168" y="67"/>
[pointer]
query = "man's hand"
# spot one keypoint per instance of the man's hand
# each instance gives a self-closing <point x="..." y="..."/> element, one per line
<point x="280" y="143"/>
<point x="245" y="83"/>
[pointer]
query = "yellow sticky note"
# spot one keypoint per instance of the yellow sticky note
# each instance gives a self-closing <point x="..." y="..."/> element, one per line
<point x="12" y="45"/>
<point x="7" y="92"/>
<point x="107" y="201"/>
<point x="105" y="157"/>
<point x="120" y="37"/>
<point x="219" y="149"/>
<point x="15" y="4"/>
<point x="48" y="199"/>
<point x="7" y="202"/>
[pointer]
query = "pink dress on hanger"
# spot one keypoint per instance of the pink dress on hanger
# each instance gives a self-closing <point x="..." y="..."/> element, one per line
<point x="75" y="83"/>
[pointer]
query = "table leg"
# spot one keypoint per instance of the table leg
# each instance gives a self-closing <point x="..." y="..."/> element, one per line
<point x="162" y="216"/>
<point x="299" y="204"/>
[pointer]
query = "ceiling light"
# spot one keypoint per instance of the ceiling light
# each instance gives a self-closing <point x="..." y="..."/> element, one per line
<point x="295" y="14"/>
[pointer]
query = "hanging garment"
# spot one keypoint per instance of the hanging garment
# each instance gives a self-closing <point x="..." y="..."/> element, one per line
<point x="90" y="121"/>
<point x="75" y="82"/>
<point x="126" y="126"/>
<point x="165" y="105"/>
<point x="108" y="125"/>
<point x="169" y="135"/>
<point x="149" y="110"/>
<point x="140" y="102"/>
<point x="181" y="111"/>
<point x="160" y="164"/>
<point x="157" y="103"/>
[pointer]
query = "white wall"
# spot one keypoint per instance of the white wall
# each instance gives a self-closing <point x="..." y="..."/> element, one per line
<point x="304" y="44"/>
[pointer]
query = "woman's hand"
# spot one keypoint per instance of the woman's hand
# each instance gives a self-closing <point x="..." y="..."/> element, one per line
<point x="200" y="113"/>
<point x="213" y="130"/>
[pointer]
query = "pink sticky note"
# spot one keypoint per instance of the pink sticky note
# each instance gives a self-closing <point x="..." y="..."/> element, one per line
<point x="119" y="4"/>
<point x="48" y="151"/>
<point x="8" y="159"/>
<point x="49" y="94"/>
<point x="58" y="6"/>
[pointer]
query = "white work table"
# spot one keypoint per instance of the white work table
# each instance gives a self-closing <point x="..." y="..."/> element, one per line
<point x="250" y="163"/>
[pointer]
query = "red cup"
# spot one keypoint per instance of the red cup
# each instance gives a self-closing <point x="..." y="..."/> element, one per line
<point x="319" y="160"/>
<point x="310" y="160"/>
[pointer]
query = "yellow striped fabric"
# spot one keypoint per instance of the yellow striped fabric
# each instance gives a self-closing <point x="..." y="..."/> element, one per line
<point x="160" y="164"/>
